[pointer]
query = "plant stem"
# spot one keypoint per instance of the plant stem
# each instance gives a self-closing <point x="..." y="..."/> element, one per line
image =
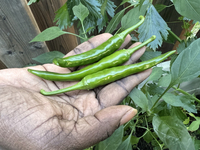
<point x="160" y="97"/>
<point x="83" y="30"/>
<point x="174" y="35"/>
<point x="76" y="35"/>
<point x="185" y="93"/>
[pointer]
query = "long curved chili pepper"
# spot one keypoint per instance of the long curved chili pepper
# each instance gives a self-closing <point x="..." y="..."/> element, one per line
<point x="112" y="60"/>
<point x="99" y="52"/>
<point x="110" y="75"/>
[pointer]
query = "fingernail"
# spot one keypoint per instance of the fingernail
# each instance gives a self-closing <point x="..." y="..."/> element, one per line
<point x="128" y="116"/>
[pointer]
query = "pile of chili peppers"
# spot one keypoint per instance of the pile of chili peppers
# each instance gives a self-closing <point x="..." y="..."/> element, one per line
<point x="105" y="68"/>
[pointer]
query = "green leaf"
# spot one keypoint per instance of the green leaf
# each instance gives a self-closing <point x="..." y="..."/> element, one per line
<point x="154" y="89"/>
<point x="135" y="2"/>
<point x="194" y="126"/>
<point x="156" y="74"/>
<point x="173" y="133"/>
<point x="32" y="1"/>
<point x="113" y="142"/>
<point x="132" y="17"/>
<point x="153" y="25"/>
<point x="139" y="99"/>
<point x="107" y="5"/>
<point x="183" y="45"/>
<point x="152" y="101"/>
<point x="93" y="6"/>
<point x="103" y="7"/>
<point x="188" y="8"/>
<point x="160" y="7"/>
<point x="115" y="21"/>
<point x="63" y="17"/>
<point x="81" y="12"/>
<point x="178" y="112"/>
<point x="141" y="3"/>
<point x="149" y="55"/>
<point x="48" y="57"/>
<point x="125" y="145"/>
<point x="134" y="140"/>
<point x="148" y="136"/>
<point x="49" y="34"/>
<point x="180" y="101"/>
<point x="165" y="80"/>
<point x="186" y="66"/>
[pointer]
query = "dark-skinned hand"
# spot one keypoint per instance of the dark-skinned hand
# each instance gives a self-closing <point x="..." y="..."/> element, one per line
<point x="70" y="121"/>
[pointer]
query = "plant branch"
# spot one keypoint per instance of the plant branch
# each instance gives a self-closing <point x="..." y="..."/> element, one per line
<point x="160" y="97"/>
<point x="174" y="35"/>
<point x="185" y="93"/>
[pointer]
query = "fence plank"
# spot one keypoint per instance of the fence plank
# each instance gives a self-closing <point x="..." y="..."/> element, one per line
<point x="44" y="12"/>
<point x="17" y="28"/>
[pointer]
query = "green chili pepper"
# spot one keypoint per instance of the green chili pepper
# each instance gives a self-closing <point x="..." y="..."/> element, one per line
<point x="112" y="60"/>
<point x="110" y="75"/>
<point x="99" y="52"/>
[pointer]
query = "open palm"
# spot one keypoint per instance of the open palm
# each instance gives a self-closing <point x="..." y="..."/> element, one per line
<point x="73" y="120"/>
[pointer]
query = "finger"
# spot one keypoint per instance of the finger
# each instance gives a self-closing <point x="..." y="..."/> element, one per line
<point x="115" y="92"/>
<point x="93" y="129"/>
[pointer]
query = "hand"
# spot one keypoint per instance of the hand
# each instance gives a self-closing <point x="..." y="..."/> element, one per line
<point x="74" y="120"/>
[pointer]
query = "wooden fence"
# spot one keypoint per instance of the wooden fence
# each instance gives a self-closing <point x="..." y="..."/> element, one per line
<point x="19" y="24"/>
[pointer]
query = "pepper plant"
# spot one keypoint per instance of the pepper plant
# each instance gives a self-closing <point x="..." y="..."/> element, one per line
<point x="168" y="116"/>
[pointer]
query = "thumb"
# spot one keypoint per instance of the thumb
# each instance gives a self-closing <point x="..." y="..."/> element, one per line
<point x="93" y="129"/>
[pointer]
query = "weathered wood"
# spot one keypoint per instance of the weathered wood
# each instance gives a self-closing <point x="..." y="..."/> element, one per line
<point x="17" y="29"/>
<point x="2" y="66"/>
<point x="44" y="12"/>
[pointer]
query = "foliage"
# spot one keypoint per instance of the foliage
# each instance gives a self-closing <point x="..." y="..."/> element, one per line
<point x="168" y="117"/>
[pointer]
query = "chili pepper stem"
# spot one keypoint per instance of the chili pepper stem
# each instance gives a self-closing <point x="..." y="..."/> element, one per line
<point x="78" y="86"/>
<point x="131" y="51"/>
<point x="127" y="31"/>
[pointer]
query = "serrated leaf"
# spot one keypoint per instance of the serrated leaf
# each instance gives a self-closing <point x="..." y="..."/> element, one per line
<point x="188" y="8"/>
<point x="113" y="142"/>
<point x="153" y="25"/>
<point x="80" y="11"/>
<point x="165" y="80"/>
<point x="49" y="34"/>
<point x="139" y="99"/>
<point x="103" y="7"/>
<point x="156" y="74"/>
<point x="107" y="5"/>
<point x="149" y="55"/>
<point x="173" y="133"/>
<point x="186" y="66"/>
<point x="62" y="17"/>
<point x="114" y="21"/>
<point x="32" y="1"/>
<point x="180" y="101"/>
<point x="93" y="6"/>
<point x="132" y="17"/>
<point x="48" y="57"/>
<point x="194" y="126"/>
